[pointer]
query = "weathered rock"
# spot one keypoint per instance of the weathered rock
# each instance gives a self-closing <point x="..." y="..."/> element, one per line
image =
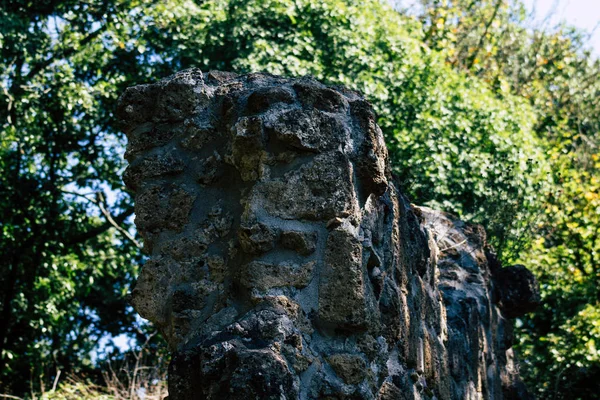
<point x="263" y="276"/>
<point x="519" y="292"/>
<point x="256" y="238"/>
<point x="479" y="336"/>
<point x="351" y="368"/>
<point x="304" y="243"/>
<point x="342" y="298"/>
<point x="286" y="264"/>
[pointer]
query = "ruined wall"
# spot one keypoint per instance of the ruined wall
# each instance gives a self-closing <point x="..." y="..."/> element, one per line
<point x="284" y="261"/>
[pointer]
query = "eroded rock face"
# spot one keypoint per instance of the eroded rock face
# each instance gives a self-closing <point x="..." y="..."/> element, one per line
<point x="284" y="261"/>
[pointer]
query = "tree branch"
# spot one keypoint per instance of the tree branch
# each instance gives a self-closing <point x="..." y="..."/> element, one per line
<point x="65" y="53"/>
<point x="485" y="32"/>
<point x="101" y="204"/>
<point x="85" y="236"/>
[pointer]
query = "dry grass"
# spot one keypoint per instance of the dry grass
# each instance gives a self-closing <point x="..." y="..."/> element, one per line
<point x="131" y="378"/>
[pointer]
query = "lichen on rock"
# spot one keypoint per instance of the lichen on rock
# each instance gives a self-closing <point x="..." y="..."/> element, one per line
<point x="285" y="263"/>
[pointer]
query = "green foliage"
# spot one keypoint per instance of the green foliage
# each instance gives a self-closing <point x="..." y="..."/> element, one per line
<point x="65" y="269"/>
<point x="452" y="142"/>
<point x="560" y="340"/>
<point x="474" y="154"/>
<point x="552" y="70"/>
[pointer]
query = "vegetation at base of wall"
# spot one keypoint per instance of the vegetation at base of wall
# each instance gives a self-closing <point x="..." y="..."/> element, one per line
<point x="139" y="375"/>
<point x="483" y="116"/>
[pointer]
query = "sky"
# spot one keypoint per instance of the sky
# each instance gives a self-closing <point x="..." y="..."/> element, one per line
<point x="584" y="14"/>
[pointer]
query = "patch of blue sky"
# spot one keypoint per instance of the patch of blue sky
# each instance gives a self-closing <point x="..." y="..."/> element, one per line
<point x="547" y="14"/>
<point x="583" y="14"/>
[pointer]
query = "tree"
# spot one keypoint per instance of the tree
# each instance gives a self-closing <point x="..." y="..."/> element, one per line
<point x="553" y="70"/>
<point x="559" y="342"/>
<point x="452" y="141"/>
<point x="65" y="265"/>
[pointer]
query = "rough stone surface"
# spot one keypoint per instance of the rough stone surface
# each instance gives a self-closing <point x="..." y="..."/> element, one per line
<point x="286" y="264"/>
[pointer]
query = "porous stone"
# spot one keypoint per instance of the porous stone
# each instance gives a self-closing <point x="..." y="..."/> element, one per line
<point x="153" y="166"/>
<point x="262" y="276"/>
<point x="342" y="299"/>
<point x="285" y="263"/>
<point x="256" y="238"/>
<point x="351" y="368"/>
<point x="304" y="243"/>
<point x="163" y="207"/>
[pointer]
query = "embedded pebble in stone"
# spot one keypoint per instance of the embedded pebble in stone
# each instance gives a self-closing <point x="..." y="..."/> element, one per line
<point x="256" y="238"/>
<point x="152" y="167"/>
<point x="351" y="368"/>
<point x="262" y="276"/>
<point x="304" y="243"/>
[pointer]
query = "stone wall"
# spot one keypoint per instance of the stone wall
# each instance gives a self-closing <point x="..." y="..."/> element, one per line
<point x="286" y="264"/>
